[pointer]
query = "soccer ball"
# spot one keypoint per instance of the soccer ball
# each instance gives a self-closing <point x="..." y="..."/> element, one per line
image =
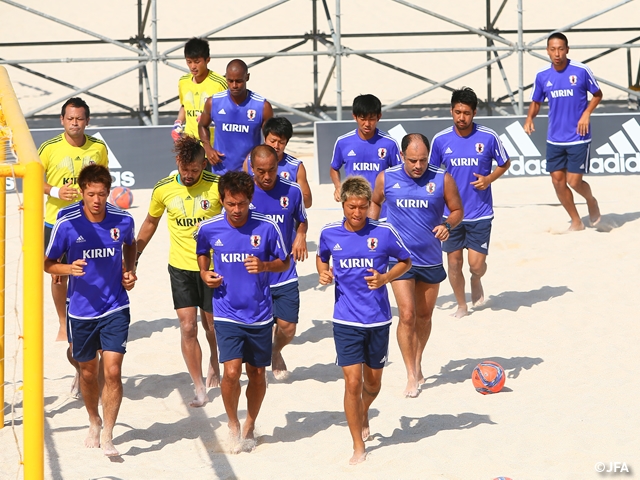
<point x="121" y="197"/>
<point x="488" y="377"/>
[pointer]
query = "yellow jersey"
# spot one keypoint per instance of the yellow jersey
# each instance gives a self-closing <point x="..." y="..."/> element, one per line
<point x="62" y="163"/>
<point x="193" y="97"/>
<point x="186" y="208"/>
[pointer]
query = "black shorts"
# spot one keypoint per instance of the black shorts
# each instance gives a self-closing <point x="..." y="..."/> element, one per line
<point x="188" y="290"/>
<point x="47" y="239"/>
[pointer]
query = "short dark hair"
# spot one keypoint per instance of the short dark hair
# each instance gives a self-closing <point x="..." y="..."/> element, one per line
<point x="236" y="182"/>
<point x="94" y="173"/>
<point x="465" y="95"/>
<point x="237" y="64"/>
<point x="365" y="105"/>
<point x="196" y="48"/>
<point x="78" y="103"/>
<point x="559" y="36"/>
<point x="263" y="151"/>
<point x="188" y="150"/>
<point x="279" y="126"/>
<point x="409" y="138"/>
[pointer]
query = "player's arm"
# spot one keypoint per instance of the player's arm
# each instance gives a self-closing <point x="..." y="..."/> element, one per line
<point x="178" y="124"/>
<point x="65" y="192"/>
<point x="301" y="179"/>
<point x="325" y="272"/>
<point x="129" y="256"/>
<point x="267" y="113"/>
<point x="585" y="119"/>
<point x="147" y="230"/>
<point x="299" y="248"/>
<point x="54" y="267"/>
<point x="454" y="204"/>
<point x="204" y="123"/>
<point x="377" y="279"/>
<point x="255" y="265"/>
<point x="482" y="182"/>
<point x="377" y="198"/>
<point x="211" y="278"/>
<point x="534" y="109"/>
<point x="335" y="178"/>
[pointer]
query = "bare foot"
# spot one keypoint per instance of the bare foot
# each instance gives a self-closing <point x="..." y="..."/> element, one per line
<point x="594" y="212"/>
<point x="200" y="399"/>
<point x="576" y="227"/>
<point x="93" y="436"/>
<point x="358" y="457"/>
<point x="460" y="312"/>
<point x="235" y="442"/>
<point x="75" y="386"/>
<point x="278" y="367"/>
<point x="249" y="441"/>
<point x="107" y="446"/>
<point x="477" y="292"/>
<point x="213" y="377"/>
<point x="412" y="390"/>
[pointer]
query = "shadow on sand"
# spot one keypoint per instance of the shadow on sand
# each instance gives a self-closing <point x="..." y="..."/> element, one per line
<point x="610" y="221"/>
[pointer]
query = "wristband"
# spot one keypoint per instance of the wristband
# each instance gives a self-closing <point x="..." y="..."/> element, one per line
<point x="137" y="258"/>
<point x="447" y="226"/>
<point x="54" y="192"/>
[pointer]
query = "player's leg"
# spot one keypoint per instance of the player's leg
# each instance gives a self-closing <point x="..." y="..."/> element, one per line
<point x="477" y="244"/>
<point x="114" y="330"/>
<point x="426" y="295"/>
<point x="377" y="353"/>
<point x="578" y="163"/>
<point x="453" y="247"/>
<point x="59" y="295"/>
<point x="257" y="353"/>
<point x="404" y="291"/>
<point x="206" y="317"/>
<point x="557" y="168"/>
<point x="286" y="307"/>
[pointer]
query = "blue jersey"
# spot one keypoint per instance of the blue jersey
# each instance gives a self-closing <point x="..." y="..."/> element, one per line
<point x="242" y="297"/>
<point x="464" y="156"/>
<point x="99" y="291"/>
<point x="366" y="157"/>
<point x="353" y="254"/>
<point x="415" y="208"/>
<point x="238" y="128"/>
<point x="567" y="94"/>
<point x="284" y="205"/>
<point x="287" y="167"/>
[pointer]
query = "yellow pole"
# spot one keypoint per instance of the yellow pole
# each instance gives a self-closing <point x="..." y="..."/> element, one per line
<point x="3" y="230"/>
<point x="33" y="248"/>
<point x="33" y="322"/>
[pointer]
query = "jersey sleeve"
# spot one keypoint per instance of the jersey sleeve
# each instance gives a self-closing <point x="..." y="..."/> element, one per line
<point x="338" y="160"/>
<point x="156" y="206"/>
<point x="394" y="155"/>
<point x="58" y="243"/>
<point x="396" y="247"/>
<point x="203" y="246"/>
<point x="180" y="93"/>
<point x="435" y="155"/>
<point x="103" y="156"/>
<point x="276" y="243"/>
<point x="323" y="250"/>
<point x="592" y="83"/>
<point x="537" y="93"/>
<point x="300" y="213"/>
<point x="43" y="152"/>
<point x="130" y="233"/>
<point x="499" y="153"/>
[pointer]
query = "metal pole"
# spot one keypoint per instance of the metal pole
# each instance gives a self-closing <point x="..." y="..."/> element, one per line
<point x="315" y="49"/>
<point x="520" y="62"/>
<point x="140" y="75"/>
<point x="154" y="47"/>
<point x="338" y="53"/>
<point x="489" y="44"/>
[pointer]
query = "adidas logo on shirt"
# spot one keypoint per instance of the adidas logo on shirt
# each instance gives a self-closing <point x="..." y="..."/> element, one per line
<point x="448" y="150"/>
<point x="252" y="206"/>
<point x="351" y="153"/>
<point x="397" y="185"/>
<point x="222" y="112"/>
<point x="337" y="247"/>
<point x="218" y="243"/>
<point x="80" y="239"/>
<point x="549" y="84"/>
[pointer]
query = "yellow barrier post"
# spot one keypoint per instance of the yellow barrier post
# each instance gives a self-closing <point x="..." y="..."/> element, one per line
<point x="3" y="231"/>
<point x="33" y="279"/>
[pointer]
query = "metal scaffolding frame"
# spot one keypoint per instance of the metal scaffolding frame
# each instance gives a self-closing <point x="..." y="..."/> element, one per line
<point x="144" y="52"/>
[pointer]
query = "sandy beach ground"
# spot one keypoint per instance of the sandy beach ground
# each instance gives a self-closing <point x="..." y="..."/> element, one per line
<point x="561" y="319"/>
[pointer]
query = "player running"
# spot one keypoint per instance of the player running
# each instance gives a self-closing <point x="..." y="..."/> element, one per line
<point x="247" y="246"/>
<point x="416" y="194"/>
<point x="467" y="151"/>
<point x="566" y="84"/>
<point x="96" y="238"/>
<point x="361" y="249"/>
<point x="189" y="197"/>
<point x="277" y="132"/>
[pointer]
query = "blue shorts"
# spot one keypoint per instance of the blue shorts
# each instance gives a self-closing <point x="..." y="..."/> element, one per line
<point x="356" y="345"/>
<point x="251" y="344"/>
<point x="575" y="158"/>
<point x="433" y="275"/>
<point x="106" y="333"/>
<point x="286" y="302"/>
<point x="471" y="235"/>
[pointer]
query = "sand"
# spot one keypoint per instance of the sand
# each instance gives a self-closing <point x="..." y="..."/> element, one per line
<point x="561" y="319"/>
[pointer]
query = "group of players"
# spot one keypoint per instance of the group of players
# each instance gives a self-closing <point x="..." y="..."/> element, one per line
<point x="237" y="222"/>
